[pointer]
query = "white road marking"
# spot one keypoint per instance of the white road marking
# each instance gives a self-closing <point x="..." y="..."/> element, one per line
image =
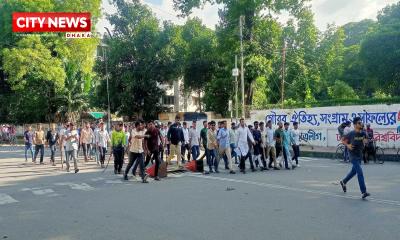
<point x="97" y="179"/>
<point x="6" y="199"/>
<point x="267" y="185"/>
<point x="39" y="191"/>
<point x="113" y="181"/>
<point x="76" y="186"/>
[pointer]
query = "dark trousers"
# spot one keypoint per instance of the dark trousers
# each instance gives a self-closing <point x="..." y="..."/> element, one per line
<point x="161" y="152"/>
<point x="296" y="151"/>
<point x="211" y="154"/>
<point x="118" y="158"/>
<point x="356" y="169"/>
<point x="134" y="160"/>
<point x="185" y="147"/>
<point x="155" y="155"/>
<point x="38" y="148"/>
<point x="368" y="151"/>
<point x="102" y="153"/>
<point x="242" y="164"/>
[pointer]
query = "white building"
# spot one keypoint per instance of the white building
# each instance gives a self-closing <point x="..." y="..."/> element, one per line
<point x="177" y="101"/>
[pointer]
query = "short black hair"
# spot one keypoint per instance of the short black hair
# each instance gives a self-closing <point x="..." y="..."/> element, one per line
<point x="241" y="119"/>
<point x="137" y="123"/>
<point x="261" y="123"/>
<point x="255" y="122"/>
<point x="212" y="122"/>
<point x="269" y="121"/>
<point x="204" y="121"/>
<point x="286" y="124"/>
<point x="356" y="119"/>
<point x="184" y="123"/>
<point x="295" y="123"/>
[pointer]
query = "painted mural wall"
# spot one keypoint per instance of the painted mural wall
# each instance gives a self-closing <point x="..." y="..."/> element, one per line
<point x="319" y="125"/>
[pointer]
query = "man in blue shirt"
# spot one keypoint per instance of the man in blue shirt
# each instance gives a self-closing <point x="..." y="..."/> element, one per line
<point x="355" y="141"/>
<point x="224" y="145"/>
<point x="287" y="141"/>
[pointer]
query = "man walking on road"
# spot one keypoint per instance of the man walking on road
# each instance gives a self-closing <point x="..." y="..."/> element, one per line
<point x="102" y="140"/>
<point x="270" y="145"/>
<point x="71" y="139"/>
<point x="212" y="146"/>
<point x="39" y="140"/>
<point x="194" y="141"/>
<point x="175" y="137"/>
<point x="152" y="147"/>
<point x="85" y="140"/>
<point x="28" y="137"/>
<point x="224" y="146"/>
<point x="118" y="142"/>
<point x="286" y="143"/>
<point x="295" y="132"/>
<point x="136" y="151"/>
<point x="355" y="141"/>
<point x="52" y="139"/>
<point x="243" y="136"/>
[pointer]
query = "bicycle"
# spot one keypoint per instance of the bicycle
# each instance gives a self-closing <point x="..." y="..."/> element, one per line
<point x="379" y="154"/>
<point x="398" y="154"/>
<point x="339" y="154"/>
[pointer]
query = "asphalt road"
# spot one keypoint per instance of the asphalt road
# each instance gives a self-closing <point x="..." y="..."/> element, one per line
<point x="43" y="202"/>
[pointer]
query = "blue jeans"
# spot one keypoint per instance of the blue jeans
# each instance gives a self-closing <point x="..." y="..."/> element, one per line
<point x="233" y="152"/>
<point x="195" y="152"/>
<point x="28" y="146"/>
<point x="211" y="158"/>
<point x="346" y="154"/>
<point x="356" y="169"/>
<point x="53" y="152"/>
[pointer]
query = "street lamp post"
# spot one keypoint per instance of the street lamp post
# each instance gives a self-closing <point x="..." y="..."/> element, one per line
<point x="104" y="50"/>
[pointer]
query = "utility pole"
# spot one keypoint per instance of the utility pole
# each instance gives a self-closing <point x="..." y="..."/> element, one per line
<point x="241" y="67"/>
<point x="283" y="74"/>
<point x="236" y="92"/>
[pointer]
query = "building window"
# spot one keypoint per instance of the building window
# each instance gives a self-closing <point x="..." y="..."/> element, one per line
<point x="169" y="100"/>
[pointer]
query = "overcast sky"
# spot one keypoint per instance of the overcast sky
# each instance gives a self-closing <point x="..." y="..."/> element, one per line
<point x="326" y="11"/>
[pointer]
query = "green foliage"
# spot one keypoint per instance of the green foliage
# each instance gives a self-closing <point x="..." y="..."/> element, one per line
<point x="32" y="72"/>
<point x="341" y="90"/>
<point x="140" y="56"/>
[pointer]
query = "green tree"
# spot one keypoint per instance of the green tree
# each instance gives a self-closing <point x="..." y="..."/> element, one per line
<point x="140" y="56"/>
<point x="380" y="51"/>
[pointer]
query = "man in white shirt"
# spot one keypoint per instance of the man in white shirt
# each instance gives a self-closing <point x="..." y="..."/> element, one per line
<point x="194" y="141"/>
<point x="270" y="146"/>
<point x="185" y="145"/>
<point x="102" y="140"/>
<point x="136" y="151"/>
<point x="71" y="139"/>
<point x="263" y="144"/>
<point x="232" y="141"/>
<point x="243" y="135"/>
<point x="295" y="132"/>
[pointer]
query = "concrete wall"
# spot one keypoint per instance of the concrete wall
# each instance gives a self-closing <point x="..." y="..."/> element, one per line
<point x="319" y="125"/>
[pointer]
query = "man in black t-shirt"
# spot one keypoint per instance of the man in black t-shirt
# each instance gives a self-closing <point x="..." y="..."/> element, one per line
<point x="355" y="141"/>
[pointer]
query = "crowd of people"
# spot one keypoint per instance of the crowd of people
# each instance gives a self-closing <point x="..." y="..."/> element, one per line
<point x="264" y="146"/>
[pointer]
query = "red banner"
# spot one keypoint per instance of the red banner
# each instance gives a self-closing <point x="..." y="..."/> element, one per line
<point x="51" y="22"/>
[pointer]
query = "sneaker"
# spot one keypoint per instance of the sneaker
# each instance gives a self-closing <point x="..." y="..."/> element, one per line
<point x="344" y="188"/>
<point x="293" y="166"/>
<point x="216" y="171"/>
<point x="365" y="195"/>
<point x="115" y="171"/>
<point x="297" y="165"/>
<point x="232" y="172"/>
<point x="253" y="170"/>
<point x="125" y="177"/>
<point x="67" y="169"/>
<point x="157" y="179"/>
<point x="276" y="168"/>
<point x="76" y="170"/>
